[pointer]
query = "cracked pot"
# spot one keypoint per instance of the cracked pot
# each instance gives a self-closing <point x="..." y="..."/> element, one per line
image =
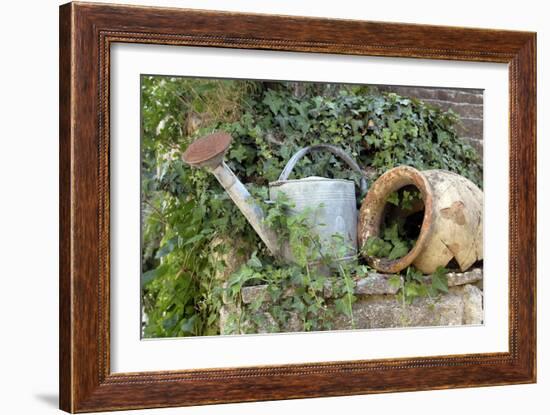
<point x="452" y="226"/>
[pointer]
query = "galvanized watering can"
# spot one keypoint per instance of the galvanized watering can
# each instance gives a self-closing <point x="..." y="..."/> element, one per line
<point x="332" y="202"/>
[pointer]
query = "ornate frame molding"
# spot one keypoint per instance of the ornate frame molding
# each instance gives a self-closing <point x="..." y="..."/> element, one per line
<point x="86" y="34"/>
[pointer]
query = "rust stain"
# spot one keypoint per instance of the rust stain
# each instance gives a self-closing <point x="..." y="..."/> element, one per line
<point x="207" y="148"/>
<point x="455" y="213"/>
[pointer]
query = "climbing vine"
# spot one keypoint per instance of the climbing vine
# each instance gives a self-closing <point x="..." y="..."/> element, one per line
<point x="189" y="224"/>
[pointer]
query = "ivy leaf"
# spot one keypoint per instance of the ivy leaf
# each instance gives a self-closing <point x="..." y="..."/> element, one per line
<point x="400" y="249"/>
<point x="167" y="248"/>
<point x="188" y="325"/>
<point x="392" y="233"/>
<point x="393" y="198"/>
<point x="439" y="280"/>
<point x="148" y="276"/>
<point x="238" y="153"/>
<point x="376" y="247"/>
<point x="273" y="101"/>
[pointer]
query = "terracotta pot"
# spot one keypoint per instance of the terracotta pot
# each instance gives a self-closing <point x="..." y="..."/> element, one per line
<point x="453" y="219"/>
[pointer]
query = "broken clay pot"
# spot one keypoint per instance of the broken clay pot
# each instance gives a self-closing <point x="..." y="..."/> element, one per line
<point x="452" y="226"/>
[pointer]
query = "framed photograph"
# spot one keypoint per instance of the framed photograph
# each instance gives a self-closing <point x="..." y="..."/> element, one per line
<point x="258" y="207"/>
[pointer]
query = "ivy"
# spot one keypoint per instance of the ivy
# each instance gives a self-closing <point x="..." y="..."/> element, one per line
<point x="189" y="222"/>
<point x="414" y="284"/>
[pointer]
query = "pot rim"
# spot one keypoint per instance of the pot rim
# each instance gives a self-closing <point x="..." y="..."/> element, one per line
<point x="372" y="211"/>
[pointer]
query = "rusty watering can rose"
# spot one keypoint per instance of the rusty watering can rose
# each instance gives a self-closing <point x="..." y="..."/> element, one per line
<point x="452" y="226"/>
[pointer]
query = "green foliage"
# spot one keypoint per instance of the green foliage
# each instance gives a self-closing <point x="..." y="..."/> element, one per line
<point x="415" y="284"/>
<point x="188" y="221"/>
<point x="292" y="294"/>
<point x="396" y="241"/>
<point x="295" y="291"/>
<point x="391" y="246"/>
<point x="294" y="228"/>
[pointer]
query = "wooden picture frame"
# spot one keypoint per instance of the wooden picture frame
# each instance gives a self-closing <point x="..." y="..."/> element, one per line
<point x="86" y="33"/>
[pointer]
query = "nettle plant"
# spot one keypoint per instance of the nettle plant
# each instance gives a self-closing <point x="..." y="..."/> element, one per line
<point x="189" y="222"/>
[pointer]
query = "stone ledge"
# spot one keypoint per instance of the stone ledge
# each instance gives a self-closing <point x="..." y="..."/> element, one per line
<point x="373" y="284"/>
<point x="462" y="305"/>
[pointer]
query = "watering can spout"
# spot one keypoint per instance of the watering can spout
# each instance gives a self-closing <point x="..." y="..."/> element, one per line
<point x="208" y="152"/>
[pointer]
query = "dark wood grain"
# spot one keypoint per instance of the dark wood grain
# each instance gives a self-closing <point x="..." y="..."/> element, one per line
<point x="86" y="33"/>
<point x="65" y="247"/>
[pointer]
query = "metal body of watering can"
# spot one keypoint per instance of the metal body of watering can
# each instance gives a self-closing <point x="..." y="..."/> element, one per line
<point x="331" y="202"/>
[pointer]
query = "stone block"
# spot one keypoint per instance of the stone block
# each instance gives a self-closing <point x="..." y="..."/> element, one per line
<point x="383" y="311"/>
<point x="461" y="278"/>
<point x="474" y="96"/>
<point x="254" y="293"/>
<point x="462" y="109"/>
<point x="228" y="319"/>
<point x="472" y="128"/>
<point x="473" y="304"/>
<point x="375" y="283"/>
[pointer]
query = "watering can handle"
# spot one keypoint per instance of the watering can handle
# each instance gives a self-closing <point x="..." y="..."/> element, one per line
<point x="334" y="150"/>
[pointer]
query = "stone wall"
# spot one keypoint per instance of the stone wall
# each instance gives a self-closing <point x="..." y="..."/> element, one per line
<point x="467" y="103"/>
<point x="379" y="305"/>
